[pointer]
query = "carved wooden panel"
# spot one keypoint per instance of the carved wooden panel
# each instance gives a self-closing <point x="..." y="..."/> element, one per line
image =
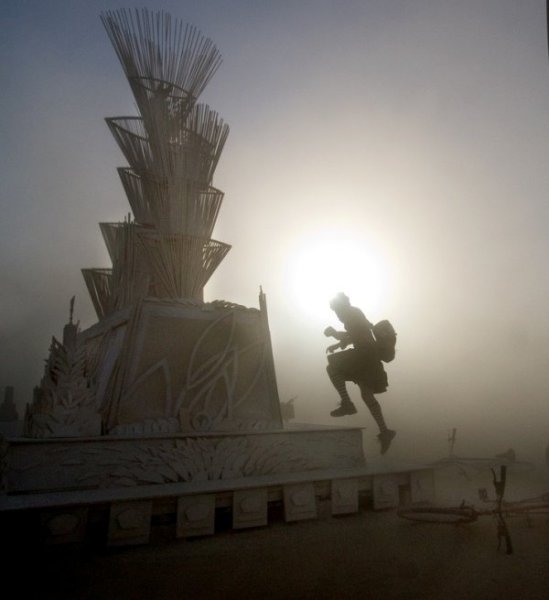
<point x="64" y="526"/>
<point x="344" y="496"/>
<point x="385" y="489"/>
<point x="195" y="515"/>
<point x="299" y="502"/>
<point x="130" y="523"/>
<point x="249" y="508"/>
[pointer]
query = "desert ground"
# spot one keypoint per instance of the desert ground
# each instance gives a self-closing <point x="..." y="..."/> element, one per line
<point x="372" y="554"/>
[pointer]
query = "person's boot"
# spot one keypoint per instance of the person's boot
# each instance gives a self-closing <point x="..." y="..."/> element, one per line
<point x="345" y="408"/>
<point x="385" y="438"/>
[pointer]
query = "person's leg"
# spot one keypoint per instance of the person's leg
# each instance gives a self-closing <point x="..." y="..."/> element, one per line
<point x="373" y="406"/>
<point x="386" y="435"/>
<point x="346" y="407"/>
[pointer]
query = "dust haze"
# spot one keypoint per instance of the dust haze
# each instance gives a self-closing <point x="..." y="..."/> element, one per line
<point x="420" y="129"/>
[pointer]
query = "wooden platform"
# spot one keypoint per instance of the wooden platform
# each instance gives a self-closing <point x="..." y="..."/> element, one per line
<point x="67" y="486"/>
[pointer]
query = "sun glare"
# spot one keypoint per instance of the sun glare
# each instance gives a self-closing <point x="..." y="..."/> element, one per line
<point x="327" y="264"/>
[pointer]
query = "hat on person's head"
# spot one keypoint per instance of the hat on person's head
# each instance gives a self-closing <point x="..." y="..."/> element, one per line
<point x="339" y="300"/>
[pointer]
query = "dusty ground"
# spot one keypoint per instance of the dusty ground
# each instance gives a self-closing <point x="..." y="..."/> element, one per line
<point x="367" y="555"/>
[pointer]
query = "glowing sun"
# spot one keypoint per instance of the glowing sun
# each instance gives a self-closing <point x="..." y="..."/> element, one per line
<point x="327" y="263"/>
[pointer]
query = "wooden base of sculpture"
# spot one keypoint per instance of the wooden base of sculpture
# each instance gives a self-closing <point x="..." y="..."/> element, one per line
<point x="126" y="482"/>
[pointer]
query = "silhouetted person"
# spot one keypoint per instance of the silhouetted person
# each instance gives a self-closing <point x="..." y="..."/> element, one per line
<point x="361" y="365"/>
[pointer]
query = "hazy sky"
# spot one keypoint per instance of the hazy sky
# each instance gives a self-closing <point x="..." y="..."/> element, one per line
<point x="393" y="149"/>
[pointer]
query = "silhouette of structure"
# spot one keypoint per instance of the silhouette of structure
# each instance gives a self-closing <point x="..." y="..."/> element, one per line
<point x="171" y="401"/>
<point x="173" y="148"/>
<point x="8" y="410"/>
<point x="160" y="358"/>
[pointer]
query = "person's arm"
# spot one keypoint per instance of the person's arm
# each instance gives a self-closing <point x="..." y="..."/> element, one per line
<point x="342" y="336"/>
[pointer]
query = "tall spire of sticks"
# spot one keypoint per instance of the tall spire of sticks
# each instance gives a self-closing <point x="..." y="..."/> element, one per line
<point x="172" y="147"/>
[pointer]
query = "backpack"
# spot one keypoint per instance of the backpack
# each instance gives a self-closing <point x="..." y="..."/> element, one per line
<point x="386" y="336"/>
